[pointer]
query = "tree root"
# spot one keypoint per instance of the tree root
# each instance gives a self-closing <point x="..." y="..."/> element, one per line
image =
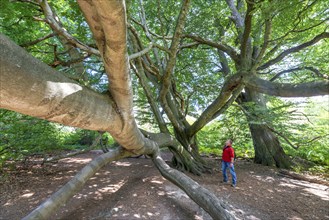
<point x="203" y="197"/>
<point x="48" y="207"/>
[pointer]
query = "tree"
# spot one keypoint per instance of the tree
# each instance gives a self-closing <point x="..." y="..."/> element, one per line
<point x="247" y="50"/>
<point x="241" y="51"/>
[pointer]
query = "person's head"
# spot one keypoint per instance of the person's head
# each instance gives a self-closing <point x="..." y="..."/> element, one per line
<point x="229" y="142"/>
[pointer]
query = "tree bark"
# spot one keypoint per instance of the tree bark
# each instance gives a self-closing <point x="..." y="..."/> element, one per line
<point x="187" y="157"/>
<point x="307" y="89"/>
<point x="268" y="150"/>
<point x="207" y="200"/>
<point x="31" y="87"/>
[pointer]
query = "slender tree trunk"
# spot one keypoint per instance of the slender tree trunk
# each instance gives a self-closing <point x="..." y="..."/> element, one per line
<point x="268" y="150"/>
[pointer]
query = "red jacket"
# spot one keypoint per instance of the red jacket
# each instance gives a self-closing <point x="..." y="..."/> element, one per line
<point x="228" y="154"/>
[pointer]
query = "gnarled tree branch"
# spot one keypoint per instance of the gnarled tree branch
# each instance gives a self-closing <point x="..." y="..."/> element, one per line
<point x="295" y="49"/>
<point x="245" y="41"/>
<point x="225" y="48"/>
<point x="232" y="84"/>
<point x="287" y="90"/>
<point x="50" y="19"/>
<point x="166" y="77"/>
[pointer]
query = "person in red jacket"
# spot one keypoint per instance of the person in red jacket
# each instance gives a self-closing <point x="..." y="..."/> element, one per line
<point x="228" y="162"/>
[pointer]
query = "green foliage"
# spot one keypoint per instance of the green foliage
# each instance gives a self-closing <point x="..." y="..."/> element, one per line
<point x="198" y="75"/>
<point x="310" y="132"/>
<point x="79" y="137"/>
<point x="22" y="135"/>
<point x="231" y="125"/>
<point x="305" y="123"/>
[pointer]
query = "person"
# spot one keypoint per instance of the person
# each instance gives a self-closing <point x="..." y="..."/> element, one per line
<point x="228" y="162"/>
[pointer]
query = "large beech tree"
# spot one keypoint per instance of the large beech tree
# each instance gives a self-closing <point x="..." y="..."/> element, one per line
<point x="245" y="40"/>
<point x="250" y="44"/>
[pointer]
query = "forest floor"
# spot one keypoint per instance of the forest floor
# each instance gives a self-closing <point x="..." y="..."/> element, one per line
<point x="134" y="189"/>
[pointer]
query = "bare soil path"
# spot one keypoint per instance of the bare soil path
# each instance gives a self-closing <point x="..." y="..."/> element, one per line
<point x="134" y="189"/>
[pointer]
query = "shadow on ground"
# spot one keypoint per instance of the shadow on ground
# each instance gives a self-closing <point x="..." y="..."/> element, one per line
<point x="133" y="189"/>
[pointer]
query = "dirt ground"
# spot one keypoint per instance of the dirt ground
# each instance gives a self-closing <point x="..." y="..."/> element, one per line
<point x="134" y="189"/>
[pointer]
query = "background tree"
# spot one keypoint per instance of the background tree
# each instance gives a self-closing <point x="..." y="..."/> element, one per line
<point x="246" y="49"/>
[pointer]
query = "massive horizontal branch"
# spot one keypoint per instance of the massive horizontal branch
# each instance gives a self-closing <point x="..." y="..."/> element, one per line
<point x="30" y="87"/>
<point x="48" y="207"/>
<point x="287" y="90"/>
<point x="216" y="208"/>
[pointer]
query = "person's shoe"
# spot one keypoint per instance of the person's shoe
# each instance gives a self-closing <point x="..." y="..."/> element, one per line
<point x="233" y="185"/>
<point x="223" y="181"/>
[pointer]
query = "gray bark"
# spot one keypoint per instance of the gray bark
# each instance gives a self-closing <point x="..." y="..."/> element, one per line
<point x="287" y="90"/>
<point x="268" y="150"/>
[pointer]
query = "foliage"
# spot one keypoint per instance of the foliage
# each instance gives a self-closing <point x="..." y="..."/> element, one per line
<point x="305" y="123"/>
<point x="79" y="137"/>
<point x="22" y="135"/>
<point x="311" y="133"/>
<point x="232" y="125"/>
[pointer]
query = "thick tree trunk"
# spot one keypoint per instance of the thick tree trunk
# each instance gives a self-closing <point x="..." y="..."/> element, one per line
<point x="185" y="161"/>
<point x="30" y="87"/>
<point x="187" y="156"/>
<point x="268" y="150"/>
